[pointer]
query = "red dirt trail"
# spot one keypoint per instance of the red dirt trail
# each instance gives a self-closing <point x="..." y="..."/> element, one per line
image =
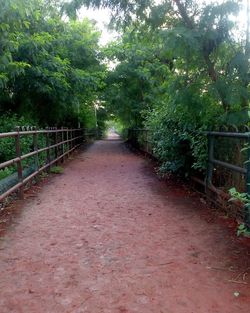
<point x="108" y="237"/>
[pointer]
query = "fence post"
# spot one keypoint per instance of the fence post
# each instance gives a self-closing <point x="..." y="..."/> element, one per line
<point x="247" y="209"/>
<point x="147" y="141"/>
<point x="67" y="145"/>
<point x="19" y="163"/>
<point x="56" y="148"/>
<point x="80" y="138"/>
<point x="77" y="134"/>
<point x="35" y="145"/>
<point x="210" y="166"/>
<point x="48" y="151"/>
<point x="62" y="145"/>
<point x="84" y="135"/>
<point x="71" y="136"/>
<point x="74" y="141"/>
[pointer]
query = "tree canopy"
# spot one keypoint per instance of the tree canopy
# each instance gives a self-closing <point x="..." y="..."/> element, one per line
<point x="49" y="68"/>
<point x="183" y="67"/>
<point x="179" y="67"/>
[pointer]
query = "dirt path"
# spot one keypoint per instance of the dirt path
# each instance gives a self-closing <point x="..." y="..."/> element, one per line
<point x="108" y="237"/>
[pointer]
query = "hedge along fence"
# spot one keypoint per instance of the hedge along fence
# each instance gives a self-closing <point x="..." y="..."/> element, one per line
<point x="42" y="149"/>
<point x="140" y="139"/>
<point x="228" y="165"/>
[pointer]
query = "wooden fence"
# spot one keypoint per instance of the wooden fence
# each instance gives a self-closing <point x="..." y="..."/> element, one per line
<point x="56" y="145"/>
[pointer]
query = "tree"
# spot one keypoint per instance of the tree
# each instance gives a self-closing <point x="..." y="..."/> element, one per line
<point x="180" y="71"/>
<point x="49" y="67"/>
<point x="208" y="28"/>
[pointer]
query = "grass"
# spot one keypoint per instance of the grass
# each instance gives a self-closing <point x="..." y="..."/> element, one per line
<point x="57" y="170"/>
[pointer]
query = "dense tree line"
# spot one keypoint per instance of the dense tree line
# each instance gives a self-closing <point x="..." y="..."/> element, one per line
<point x="51" y="68"/>
<point x="181" y="67"/>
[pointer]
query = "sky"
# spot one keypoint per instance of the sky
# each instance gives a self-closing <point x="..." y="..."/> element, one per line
<point x="102" y="17"/>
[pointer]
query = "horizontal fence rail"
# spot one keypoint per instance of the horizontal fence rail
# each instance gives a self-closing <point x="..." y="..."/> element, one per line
<point x="56" y="145"/>
<point x="213" y="161"/>
<point x="140" y="138"/>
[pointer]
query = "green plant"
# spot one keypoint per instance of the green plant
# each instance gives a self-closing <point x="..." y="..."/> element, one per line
<point x="243" y="230"/>
<point x="241" y="196"/>
<point x="6" y="172"/>
<point x="51" y="69"/>
<point x="57" y="170"/>
<point x="244" y="198"/>
<point x="44" y="175"/>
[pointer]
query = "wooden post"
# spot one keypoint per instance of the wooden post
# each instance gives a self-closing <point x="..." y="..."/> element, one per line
<point x="62" y="145"/>
<point x="82" y="134"/>
<point x="56" y="148"/>
<point x="48" y="151"/>
<point x="210" y="165"/>
<point x="19" y="163"/>
<point x="76" y="135"/>
<point x="35" y="145"/>
<point x="147" y="141"/>
<point x="74" y="141"/>
<point x="79" y="133"/>
<point x="67" y="138"/>
<point x="247" y="209"/>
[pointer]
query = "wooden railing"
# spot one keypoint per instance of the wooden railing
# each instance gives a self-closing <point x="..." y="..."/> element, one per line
<point x="55" y="145"/>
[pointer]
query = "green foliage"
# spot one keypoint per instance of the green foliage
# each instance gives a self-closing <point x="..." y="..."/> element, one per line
<point x="5" y="173"/>
<point x="180" y="71"/>
<point x="87" y="116"/>
<point x="124" y="10"/>
<point x="57" y="170"/>
<point x="243" y="230"/>
<point x="135" y="83"/>
<point x="245" y="199"/>
<point x="8" y="123"/>
<point x="48" y="67"/>
<point x="180" y="148"/>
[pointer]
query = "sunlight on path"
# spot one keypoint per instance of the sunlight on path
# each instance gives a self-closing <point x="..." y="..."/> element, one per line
<point x="113" y="135"/>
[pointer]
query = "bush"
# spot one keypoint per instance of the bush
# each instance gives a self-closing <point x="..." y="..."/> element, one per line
<point x="57" y="170"/>
<point x="179" y="146"/>
<point x="8" y="123"/>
